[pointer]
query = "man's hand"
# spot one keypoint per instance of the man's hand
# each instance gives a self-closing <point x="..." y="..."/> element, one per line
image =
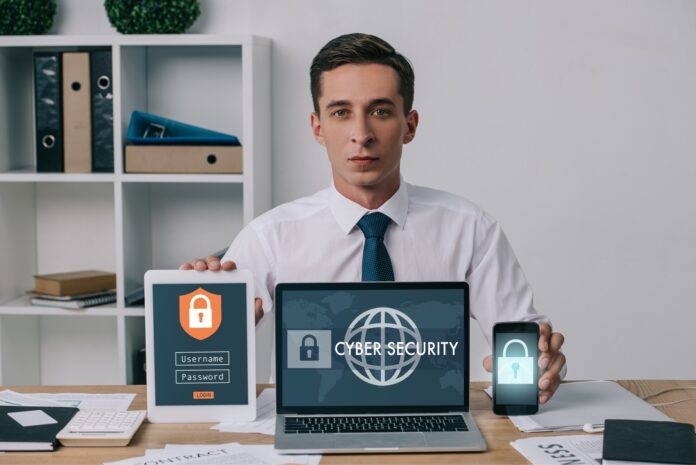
<point x="550" y="359"/>
<point x="212" y="263"/>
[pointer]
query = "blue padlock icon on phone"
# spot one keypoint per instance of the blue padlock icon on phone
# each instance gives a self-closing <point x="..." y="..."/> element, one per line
<point x="515" y="370"/>
<point x="309" y="353"/>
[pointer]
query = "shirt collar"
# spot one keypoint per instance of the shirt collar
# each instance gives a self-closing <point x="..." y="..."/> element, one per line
<point x="347" y="213"/>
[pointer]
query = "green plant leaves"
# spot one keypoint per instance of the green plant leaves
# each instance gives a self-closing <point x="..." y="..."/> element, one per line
<point x="152" y="16"/>
<point x="26" y="17"/>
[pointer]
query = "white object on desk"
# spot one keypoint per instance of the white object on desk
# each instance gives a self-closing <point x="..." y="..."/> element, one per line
<point x="32" y="418"/>
<point x="101" y="428"/>
<point x="265" y="417"/>
<point x="220" y="454"/>
<point x="185" y="406"/>
<point x="552" y="450"/>
<point x="575" y="405"/>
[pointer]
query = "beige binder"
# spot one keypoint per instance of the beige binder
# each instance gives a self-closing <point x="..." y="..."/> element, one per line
<point x="183" y="159"/>
<point x="77" y="113"/>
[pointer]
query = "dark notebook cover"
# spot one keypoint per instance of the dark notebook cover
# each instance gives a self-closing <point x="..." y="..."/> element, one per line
<point x="649" y="441"/>
<point x="102" y="112"/>
<point x="14" y="436"/>
<point x="48" y="88"/>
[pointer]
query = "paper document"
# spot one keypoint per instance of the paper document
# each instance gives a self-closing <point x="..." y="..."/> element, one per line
<point x="15" y="399"/>
<point x="265" y="452"/>
<point x="32" y="418"/>
<point x="265" y="417"/>
<point x="576" y="404"/>
<point x="219" y="454"/>
<point x="555" y="450"/>
<point x="79" y="400"/>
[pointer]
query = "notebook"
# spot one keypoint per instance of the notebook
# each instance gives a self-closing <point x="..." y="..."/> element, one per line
<point x="649" y="441"/>
<point x="32" y="428"/>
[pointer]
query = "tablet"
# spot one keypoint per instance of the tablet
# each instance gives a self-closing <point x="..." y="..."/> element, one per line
<point x="200" y="346"/>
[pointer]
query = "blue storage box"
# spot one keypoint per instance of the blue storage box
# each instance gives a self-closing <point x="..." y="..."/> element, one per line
<point x="148" y="129"/>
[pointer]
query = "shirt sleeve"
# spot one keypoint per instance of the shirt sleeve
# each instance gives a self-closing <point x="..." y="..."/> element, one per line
<point x="248" y="252"/>
<point x="499" y="290"/>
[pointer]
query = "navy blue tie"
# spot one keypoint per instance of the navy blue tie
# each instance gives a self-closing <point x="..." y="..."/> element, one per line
<point x="376" y="264"/>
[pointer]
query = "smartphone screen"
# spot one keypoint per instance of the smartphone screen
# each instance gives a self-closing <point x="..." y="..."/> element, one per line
<point x="515" y="368"/>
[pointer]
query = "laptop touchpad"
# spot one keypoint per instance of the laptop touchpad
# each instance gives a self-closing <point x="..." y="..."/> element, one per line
<point x="380" y="440"/>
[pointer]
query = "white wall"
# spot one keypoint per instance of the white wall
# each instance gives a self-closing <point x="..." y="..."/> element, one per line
<point x="573" y="123"/>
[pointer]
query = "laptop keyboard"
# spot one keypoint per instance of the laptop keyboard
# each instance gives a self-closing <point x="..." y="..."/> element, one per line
<point x="378" y="424"/>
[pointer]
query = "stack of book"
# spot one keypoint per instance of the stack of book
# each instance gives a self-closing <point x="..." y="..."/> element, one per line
<point x="77" y="289"/>
<point x="74" y="111"/>
<point x="162" y="145"/>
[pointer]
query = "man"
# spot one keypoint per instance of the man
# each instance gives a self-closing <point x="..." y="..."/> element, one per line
<point x="370" y="225"/>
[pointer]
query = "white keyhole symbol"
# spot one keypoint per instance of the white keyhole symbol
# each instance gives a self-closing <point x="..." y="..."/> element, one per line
<point x="515" y="367"/>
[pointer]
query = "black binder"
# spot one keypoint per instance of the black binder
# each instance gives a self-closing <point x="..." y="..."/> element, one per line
<point x="102" y="111"/>
<point x="48" y="90"/>
<point x="14" y="436"/>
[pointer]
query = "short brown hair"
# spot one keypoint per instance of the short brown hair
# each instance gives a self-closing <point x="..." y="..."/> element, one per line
<point x="360" y="48"/>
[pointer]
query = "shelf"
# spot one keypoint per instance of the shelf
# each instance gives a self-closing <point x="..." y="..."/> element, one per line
<point x="30" y="175"/>
<point x="23" y="306"/>
<point x="182" y="178"/>
<point x="122" y="222"/>
<point x="130" y="39"/>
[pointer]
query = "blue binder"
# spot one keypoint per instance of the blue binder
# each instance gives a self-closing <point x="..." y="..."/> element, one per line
<point x="147" y="129"/>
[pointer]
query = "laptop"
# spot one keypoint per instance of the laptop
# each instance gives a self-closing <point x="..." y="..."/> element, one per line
<point x="373" y="367"/>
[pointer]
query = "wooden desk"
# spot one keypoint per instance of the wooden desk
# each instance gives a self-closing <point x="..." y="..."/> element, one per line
<point x="498" y="431"/>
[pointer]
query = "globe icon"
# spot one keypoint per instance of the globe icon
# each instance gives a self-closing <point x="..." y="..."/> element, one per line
<point x="382" y="325"/>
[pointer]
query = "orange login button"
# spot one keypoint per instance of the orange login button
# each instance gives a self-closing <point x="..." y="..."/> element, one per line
<point x="203" y="395"/>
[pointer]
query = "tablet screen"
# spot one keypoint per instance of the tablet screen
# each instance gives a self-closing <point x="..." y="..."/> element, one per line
<point x="200" y="343"/>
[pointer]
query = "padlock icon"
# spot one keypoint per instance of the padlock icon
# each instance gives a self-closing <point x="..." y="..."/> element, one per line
<point x="515" y="370"/>
<point x="200" y="317"/>
<point x="309" y="353"/>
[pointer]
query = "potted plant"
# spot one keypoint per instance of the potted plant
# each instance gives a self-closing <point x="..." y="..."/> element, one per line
<point x="152" y="16"/>
<point x="26" y="17"/>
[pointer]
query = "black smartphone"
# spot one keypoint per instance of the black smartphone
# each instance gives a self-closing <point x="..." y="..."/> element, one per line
<point x="515" y="368"/>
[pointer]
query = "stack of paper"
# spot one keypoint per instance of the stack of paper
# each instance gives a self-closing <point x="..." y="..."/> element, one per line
<point x="577" y="404"/>
<point x="552" y="450"/>
<point x="221" y="454"/>
<point x="68" y="399"/>
<point x="265" y="417"/>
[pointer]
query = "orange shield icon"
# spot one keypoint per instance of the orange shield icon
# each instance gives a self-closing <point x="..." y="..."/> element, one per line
<point x="200" y="313"/>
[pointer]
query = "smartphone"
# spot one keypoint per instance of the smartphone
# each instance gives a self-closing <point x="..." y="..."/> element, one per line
<point x="515" y="368"/>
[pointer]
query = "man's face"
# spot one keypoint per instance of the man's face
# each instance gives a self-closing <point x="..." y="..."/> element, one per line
<point x="362" y="124"/>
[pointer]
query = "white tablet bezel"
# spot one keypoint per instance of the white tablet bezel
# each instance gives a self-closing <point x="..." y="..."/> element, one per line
<point x="199" y="413"/>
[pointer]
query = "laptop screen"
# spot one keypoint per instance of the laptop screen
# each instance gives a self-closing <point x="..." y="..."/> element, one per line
<point x="349" y="347"/>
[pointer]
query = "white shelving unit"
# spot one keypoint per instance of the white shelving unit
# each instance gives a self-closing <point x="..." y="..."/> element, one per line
<point x="125" y="223"/>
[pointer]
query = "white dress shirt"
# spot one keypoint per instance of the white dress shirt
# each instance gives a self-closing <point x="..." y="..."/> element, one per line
<point x="434" y="236"/>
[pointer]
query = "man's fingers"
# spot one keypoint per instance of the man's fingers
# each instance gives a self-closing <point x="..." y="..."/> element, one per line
<point x="211" y="263"/>
<point x="553" y="371"/>
<point x="547" y="393"/>
<point x="557" y="363"/>
<point x="556" y="342"/>
<point x="258" y="309"/>
<point x="488" y="363"/>
<point x="544" y="335"/>
<point x="229" y="265"/>
<point x="551" y="379"/>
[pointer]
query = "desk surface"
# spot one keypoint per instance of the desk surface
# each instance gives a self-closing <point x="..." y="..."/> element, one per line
<point x="498" y="431"/>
